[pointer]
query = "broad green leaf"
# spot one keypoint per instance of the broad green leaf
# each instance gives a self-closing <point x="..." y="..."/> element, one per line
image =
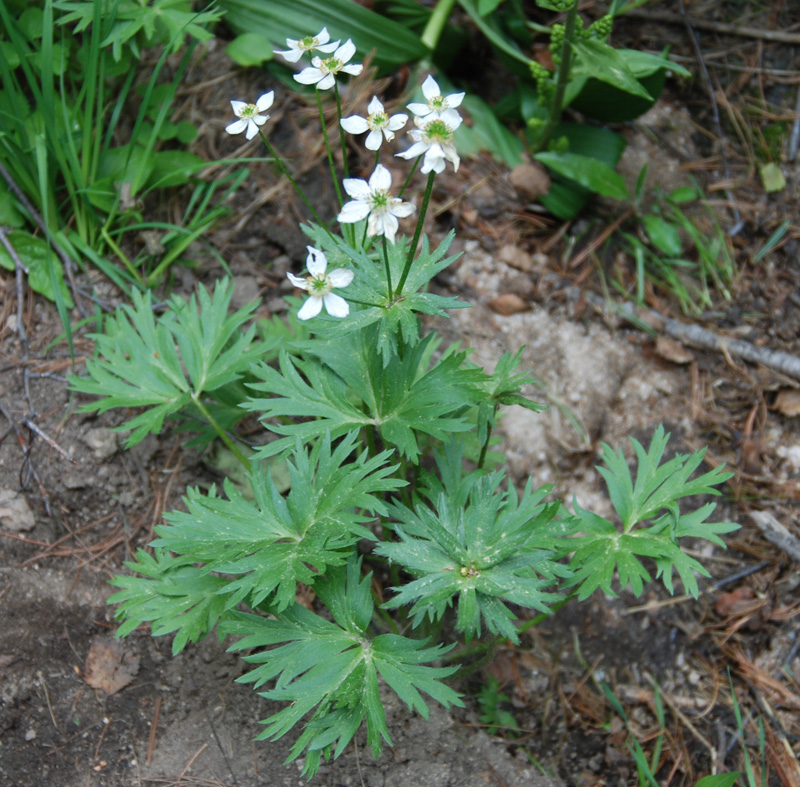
<point x="588" y="172"/>
<point x="278" y="20"/>
<point x="487" y="133"/>
<point x="719" y="780"/>
<point x="249" y="49"/>
<point x="663" y="235"/>
<point x="606" y="64"/>
<point x="173" y="168"/>
<point x="488" y="6"/>
<point x="45" y="273"/>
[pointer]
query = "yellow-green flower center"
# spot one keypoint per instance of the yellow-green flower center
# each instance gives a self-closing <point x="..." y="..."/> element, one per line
<point x="250" y="110"/>
<point x="330" y="65"/>
<point x="438" y="103"/>
<point x="438" y="131"/>
<point x="308" y="43"/>
<point x="379" y="201"/>
<point x="378" y="120"/>
<point x="319" y="285"/>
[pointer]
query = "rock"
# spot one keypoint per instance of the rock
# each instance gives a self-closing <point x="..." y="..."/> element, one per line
<point x="245" y="290"/>
<point x="508" y="303"/>
<point x="102" y="441"/>
<point x="15" y="514"/>
<point x="516" y="257"/>
<point x="530" y="180"/>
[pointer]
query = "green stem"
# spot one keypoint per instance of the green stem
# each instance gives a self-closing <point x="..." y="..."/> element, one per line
<point x="438" y="19"/>
<point x="386" y="266"/>
<point x="118" y="251"/>
<point x="328" y="148"/>
<point x="291" y="180"/>
<point x="417" y="232"/>
<point x="562" y="77"/>
<point x="342" y="138"/>
<point x="485" y="446"/>
<point x="410" y="175"/>
<point x="221" y="432"/>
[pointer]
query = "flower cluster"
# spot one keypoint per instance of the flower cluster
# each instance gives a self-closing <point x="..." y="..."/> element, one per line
<point x="436" y="121"/>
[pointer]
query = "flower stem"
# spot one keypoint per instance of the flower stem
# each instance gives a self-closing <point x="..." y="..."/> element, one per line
<point x="410" y="175"/>
<point x="230" y="445"/>
<point x="386" y="266"/>
<point x="562" y="76"/>
<point x="417" y="232"/>
<point x="291" y="180"/>
<point x="341" y="129"/>
<point x="328" y="148"/>
<point x="485" y="446"/>
<point x="438" y="19"/>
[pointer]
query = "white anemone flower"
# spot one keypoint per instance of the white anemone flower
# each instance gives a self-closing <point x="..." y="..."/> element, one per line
<point x="372" y="199"/>
<point x="437" y="105"/>
<point x="377" y="122"/>
<point x="250" y="115"/>
<point x="434" y="138"/>
<point x="309" y="44"/>
<point x="318" y="284"/>
<point x="323" y="73"/>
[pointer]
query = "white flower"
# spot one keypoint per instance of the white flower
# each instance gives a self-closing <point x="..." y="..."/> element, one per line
<point x="372" y="199"/>
<point x="317" y="43"/>
<point x="250" y="116"/>
<point x="378" y="123"/>
<point x="319" y="285"/>
<point x="322" y="73"/>
<point x="434" y="138"/>
<point x="438" y="106"/>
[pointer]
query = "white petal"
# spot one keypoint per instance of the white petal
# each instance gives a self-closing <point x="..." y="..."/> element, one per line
<point x="402" y="209"/>
<point x="328" y="48"/>
<point x="396" y="122"/>
<point x="335" y="305"/>
<point x="417" y="149"/>
<point x="323" y="36"/>
<point x="390" y="227"/>
<point x="309" y="76"/>
<point x="298" y="281"/>
<point x="354" y="124"/>
<point x="341" y="277"/>
<point x="389" y="135"/>
<point x="265" y="102"/>
<point x="357" y="188"/>
<point x="353" y="69"/>
<point x="237" y="127"/>
<point x="381" y="179"/>
<point x="420" y="109"/>
<point x="316" y="262"/>
<point x="374" y="106"/>
<point x="311" y="308"/>
<point x="252" y="128"/>
<point x="353" y="211"/>
<point x="326" y="82"/>
<point x="430" y="88"/>
<point x="373" y="140"/>
<point x="455" y="99"/>
<point x="292" y="55"/>
<point x="345" y="51"/>
<point x="238" y="107"/>
<point x="259" y="120"/>
<point x="452" y="118"/>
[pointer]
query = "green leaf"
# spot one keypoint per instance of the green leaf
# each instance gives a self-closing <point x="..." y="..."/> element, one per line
<point x="331" y="668"/>
<point x="589" y="172"/>
<point x="606" y="64"/>
<point x="495" y="549"/>
<point x="168" y="363"/>
<point x="719" y="780"/>
<point x="272" y="543"/>
<point x="772" y="177"/>
<point x="487" y="133"/>
<point x="249" y="49"/>
<point x="173" y="168"/>
<point x="45" y="274"/>
<point x="488" y="6"/>
<point x="663" y="235"/>
<point x="171" y="594"/>
<point x="393" y="44"/>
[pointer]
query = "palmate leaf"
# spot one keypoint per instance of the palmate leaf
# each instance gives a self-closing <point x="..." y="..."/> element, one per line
<point x="348" y="387"/>
<point x="165" y="363"/>
<point x="493" y="551"/>
<point x="332" y="668"/>
<point x="398" y="317"/>
<point x="652" y="523"/>
<point x="172" y="595"/>
<point x="272" y="543"/>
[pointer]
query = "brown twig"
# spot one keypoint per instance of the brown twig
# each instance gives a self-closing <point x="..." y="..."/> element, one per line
<point x="151" y="743"/>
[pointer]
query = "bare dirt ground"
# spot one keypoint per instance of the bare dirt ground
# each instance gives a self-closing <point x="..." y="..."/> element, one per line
<point x="74" y="505"/>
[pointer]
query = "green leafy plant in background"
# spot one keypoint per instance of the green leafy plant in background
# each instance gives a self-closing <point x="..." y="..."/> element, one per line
<point x="419" y="549"/>
<point x="68" y="72"/>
